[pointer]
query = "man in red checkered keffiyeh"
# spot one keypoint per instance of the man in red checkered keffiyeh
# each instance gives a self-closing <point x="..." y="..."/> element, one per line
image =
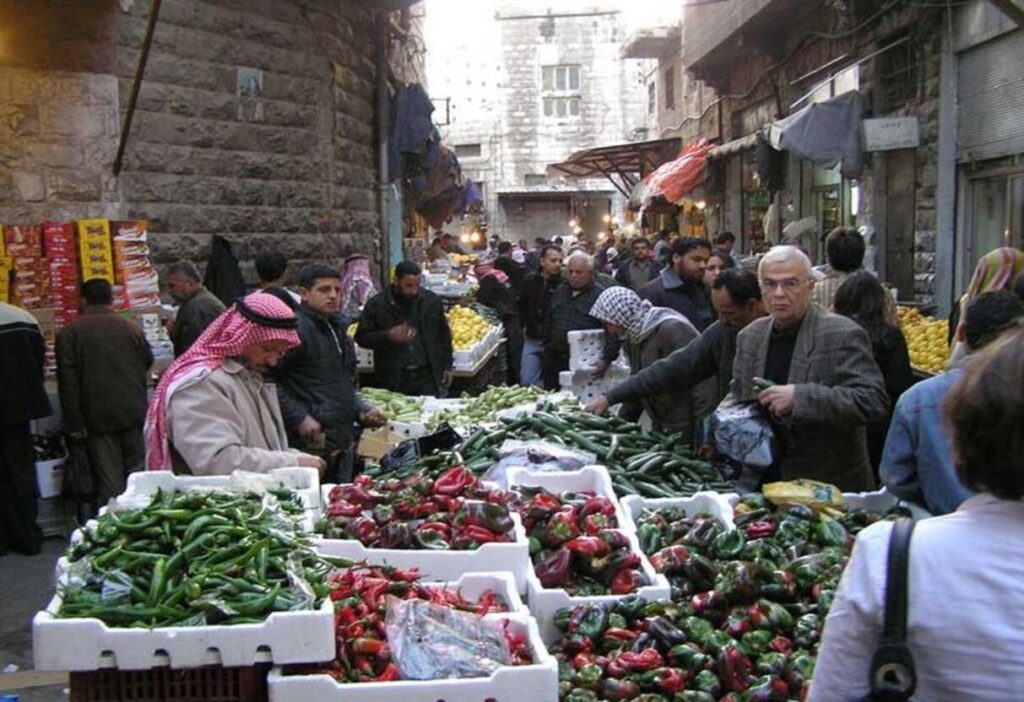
<point x="212" y="405"/>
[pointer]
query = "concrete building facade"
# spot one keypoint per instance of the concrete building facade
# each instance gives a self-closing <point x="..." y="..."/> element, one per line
<point x="256" y="120"/>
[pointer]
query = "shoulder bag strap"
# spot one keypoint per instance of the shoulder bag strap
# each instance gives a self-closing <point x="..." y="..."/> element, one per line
<point x="892" y="670"/>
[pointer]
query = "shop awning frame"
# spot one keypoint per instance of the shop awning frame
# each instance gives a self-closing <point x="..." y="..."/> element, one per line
<point x="631" y="162"/>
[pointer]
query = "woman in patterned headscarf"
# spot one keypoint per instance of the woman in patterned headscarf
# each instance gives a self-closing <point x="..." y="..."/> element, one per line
<point x="212" y="413"/>
<point x="651" y="333"/>
<point x="996" y="270"/>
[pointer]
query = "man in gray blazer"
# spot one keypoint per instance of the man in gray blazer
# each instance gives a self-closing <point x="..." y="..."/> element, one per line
<point x="815" y="373"/>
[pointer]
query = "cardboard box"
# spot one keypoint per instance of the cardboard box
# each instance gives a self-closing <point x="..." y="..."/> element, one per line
<point x="58" y="239"/>
<point x="130" y="230"/>
<point x="23" y="240"/>
<point x="94" y="249"/>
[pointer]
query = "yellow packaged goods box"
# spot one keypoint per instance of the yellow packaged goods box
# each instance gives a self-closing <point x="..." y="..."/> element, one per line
<point x="95" y="253"/>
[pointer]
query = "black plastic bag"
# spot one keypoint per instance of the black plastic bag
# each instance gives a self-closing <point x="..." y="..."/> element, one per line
<point x="79" y="483"/>
<point x="444" y="439"/>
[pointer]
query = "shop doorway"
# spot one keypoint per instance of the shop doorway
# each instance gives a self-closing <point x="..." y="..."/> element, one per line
<point x="899" y="221"/>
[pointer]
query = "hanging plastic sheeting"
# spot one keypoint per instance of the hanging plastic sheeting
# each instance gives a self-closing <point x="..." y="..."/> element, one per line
<point x="824" y="133"/>
<point x="469" y="198"/>
<point x="676" y="178"/>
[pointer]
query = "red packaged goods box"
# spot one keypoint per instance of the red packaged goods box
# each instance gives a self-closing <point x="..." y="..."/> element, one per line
<point x="59" y="239"/>
<point x="137" y="300"/>
<point x="23" y="240"/>
<point x="130" y="230"/>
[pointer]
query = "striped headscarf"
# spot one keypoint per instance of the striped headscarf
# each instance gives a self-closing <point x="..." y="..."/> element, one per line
<point x="254" y="319"/>
<point x="624" y="308"/>
<point x="482" y="270"/>
<point x="996" y="270"/>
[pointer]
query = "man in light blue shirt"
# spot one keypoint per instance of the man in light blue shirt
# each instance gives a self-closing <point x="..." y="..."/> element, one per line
<point x="917" y="463"/>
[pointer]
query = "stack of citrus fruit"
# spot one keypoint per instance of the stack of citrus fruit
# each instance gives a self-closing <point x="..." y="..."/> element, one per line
<point x="926" y="340"/>
<point x="468" y="327"/>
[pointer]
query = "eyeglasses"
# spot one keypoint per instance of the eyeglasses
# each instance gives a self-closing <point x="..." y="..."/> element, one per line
<point x="788" y="285"/>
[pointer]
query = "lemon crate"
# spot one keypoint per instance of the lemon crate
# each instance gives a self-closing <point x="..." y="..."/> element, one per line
<point x="716" y="504"/>
<point x="512" y="557"/>
<point x="537" y="682"/>
<point x="587" y="479"/>
<point x="544" y="602"/>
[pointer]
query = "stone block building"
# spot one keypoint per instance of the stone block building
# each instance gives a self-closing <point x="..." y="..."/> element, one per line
<point x="256" y="119"/>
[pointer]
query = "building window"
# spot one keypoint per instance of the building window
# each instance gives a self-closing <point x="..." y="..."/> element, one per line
<point x="652" y="92"/>
<point x="535" y="179"/>
<point x="562" y="107"/>
<point x="468" y="150"/>
<point x="560" y="78"/>
<point x="670" y="89"/>
<point x="897" y="75"/>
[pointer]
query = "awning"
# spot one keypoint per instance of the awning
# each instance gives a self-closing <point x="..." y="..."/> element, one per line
<point x="824" y="133"/>
<point x="730" y="148"/>
<point x="630" y="162"/>
<point x="676" y="178"/>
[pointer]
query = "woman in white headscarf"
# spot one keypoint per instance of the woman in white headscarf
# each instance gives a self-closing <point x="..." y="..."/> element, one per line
<point x="651" y="333"/>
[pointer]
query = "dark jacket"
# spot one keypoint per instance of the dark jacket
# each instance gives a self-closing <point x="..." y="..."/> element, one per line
<point x="516" y="273"/>
<point x="709" y="355"/>
<point x="223" y="276"/>
<point x="671" y="412"/>
<point x="382" y="312"/>
<point x="498" y="296"/>
<point x="318" y="378"/>
<point x="570" y="312"/>
<point x="102" y="363"/>
<point x="893" y="359"/>
<point x="21" y="367"/>
<point x="839" y="390"/>
<point x="194" y="316"/>
<point x="535" y="304"/>
<point x="692" y="300"/>
<point x="623" y="276"/>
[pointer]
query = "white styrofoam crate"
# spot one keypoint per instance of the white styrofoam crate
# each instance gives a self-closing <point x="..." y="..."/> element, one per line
<point x="50" y="477"/>
<point x="512" y="557"/>
<point x="89" y="644"/>
<point x="544" y="602"/>
<point x="537" y="682"/>
<point x="586" y="388"/>
<point x="473" y="585"/>
<point x="410" y="430"/>
<point x="305" y="482"/>
<point x="364" y="357"/>
<point x="586" y="349"/>
<point x="713" y="503"/>
<point x="587" y="479"/>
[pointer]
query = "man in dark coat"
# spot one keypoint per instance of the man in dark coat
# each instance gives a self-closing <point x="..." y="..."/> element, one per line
<point x="534" y="313"/>
<point x="640" y="268"/>
<point x="21" y="385"/>
<point x="570" y="311"/>
<point x="316" y="381"/>
<point x="408" y="332"/>
<point x="680" y="286"/>
<point x="198" y="306"/>
<point x="102" y="363"/>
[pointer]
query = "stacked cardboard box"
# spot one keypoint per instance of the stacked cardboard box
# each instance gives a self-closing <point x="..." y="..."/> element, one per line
<point x="96" y="256"/>
<point x="132" y="267"/>
<point x="62" y="257"/>
<point x="30" y="282"/>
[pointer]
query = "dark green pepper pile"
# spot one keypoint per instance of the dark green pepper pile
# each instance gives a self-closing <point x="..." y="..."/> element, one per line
<point x="193" y="559"/>
<point x="663" y="652"/>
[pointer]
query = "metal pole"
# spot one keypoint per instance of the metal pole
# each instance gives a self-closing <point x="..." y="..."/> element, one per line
<point x="154" y="11"/>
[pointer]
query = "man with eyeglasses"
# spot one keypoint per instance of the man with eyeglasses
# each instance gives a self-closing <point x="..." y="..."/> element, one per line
<point x="815" y="374"/>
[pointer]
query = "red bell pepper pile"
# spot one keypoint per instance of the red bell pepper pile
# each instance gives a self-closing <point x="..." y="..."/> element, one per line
<point x="360" y="605"/>
<point x="574" y="545"/>
<point x="453" y="512"/>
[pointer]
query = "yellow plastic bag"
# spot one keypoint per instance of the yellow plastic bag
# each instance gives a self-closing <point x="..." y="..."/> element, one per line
<point x="819" y="496"/>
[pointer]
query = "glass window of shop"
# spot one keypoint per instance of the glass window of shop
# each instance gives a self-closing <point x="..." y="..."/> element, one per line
<point x="995" y="202"/>
<point x="832" y="200"/>
<point x="754" y="198"/>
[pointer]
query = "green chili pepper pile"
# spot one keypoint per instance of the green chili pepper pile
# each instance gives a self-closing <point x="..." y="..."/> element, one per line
<point x="452" y="512"/>
<point x="191" y="559"/>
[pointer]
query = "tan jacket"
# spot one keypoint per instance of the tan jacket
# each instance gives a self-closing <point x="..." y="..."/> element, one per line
<point x="839" y="389"/>
<point x="227" y="420"/>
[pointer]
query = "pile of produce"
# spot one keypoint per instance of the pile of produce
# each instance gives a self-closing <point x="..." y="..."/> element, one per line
<point x="453" y="512"/>
<point x="468" y="327"/>
<point x="485" y="407"/>
<point x="927" y="339"/>
<point x="397" y="407"/>
<point x="360" y="596"/>
<point x="192" y="559"/>
<point x="574" y="544"/>
<point x="660" y="651"/>
<point x="49" y="446"/>
<point x="488" y="313"/>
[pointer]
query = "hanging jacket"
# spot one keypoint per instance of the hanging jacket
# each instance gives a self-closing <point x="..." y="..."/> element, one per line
<point x="223" y="276"/>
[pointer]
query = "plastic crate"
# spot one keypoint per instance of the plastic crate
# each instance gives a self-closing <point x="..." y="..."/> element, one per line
<point x="53" y="517"/>
<point x="89" y="644"/>
<point x="537" y="682"/>
<point x="587" y="479"/>
<point x="50" y="477"/>
<point x="586" y="349"/>
<point x="715" y="503"/>
<point x="207" y="684"/>
<point x="544" y="602"/>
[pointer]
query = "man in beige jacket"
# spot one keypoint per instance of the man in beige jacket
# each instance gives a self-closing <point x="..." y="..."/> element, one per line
<point x="212" y="412"/>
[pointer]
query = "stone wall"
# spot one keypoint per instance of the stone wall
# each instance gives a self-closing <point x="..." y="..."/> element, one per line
<point x="256" y="121"/>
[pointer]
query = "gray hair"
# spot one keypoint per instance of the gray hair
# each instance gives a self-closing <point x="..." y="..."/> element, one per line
<point x="582" y="256"/>
<point x="185" y="269"/>
<point x="785" y="254"/>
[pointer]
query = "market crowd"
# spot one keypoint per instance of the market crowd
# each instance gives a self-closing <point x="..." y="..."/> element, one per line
<point x="271" y="380"/>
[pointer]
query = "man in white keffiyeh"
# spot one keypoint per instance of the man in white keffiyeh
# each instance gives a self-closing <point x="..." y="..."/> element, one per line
<point x="651" y="333"/>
